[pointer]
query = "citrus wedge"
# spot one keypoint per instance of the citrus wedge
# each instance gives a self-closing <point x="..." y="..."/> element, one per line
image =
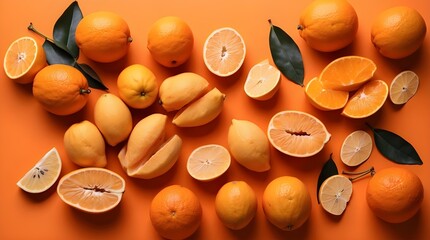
<point x="23" y="59"/>
<point x="403" y="87"/>
<point x="297" y="133"/>
<point x="93" y="190"/>
<point x="208" y="162"/>
<point x="224" y="52"/>
<point x="347" y="73"/>
<point x="43" y="175"/>
<point x="367" y="100"/>
<point x="323" y="98"/>
<point x="356" y="148"/>
<point x="263" y="81"/>
<point x="334" y="194"/>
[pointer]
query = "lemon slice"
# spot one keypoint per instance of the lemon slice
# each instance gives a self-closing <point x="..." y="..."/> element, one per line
<point x="334" y="194"/>
<point x="356" y="148"/>
<point x="43" y="175"/>
<point x="263" y="81"/>
<point x="208" y="162"/>
<point x="403" y="87"/>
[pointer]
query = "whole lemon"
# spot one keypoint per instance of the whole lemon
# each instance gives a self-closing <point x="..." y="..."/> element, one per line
<point x="398" y="32"/>
<point x="328" y="25"/>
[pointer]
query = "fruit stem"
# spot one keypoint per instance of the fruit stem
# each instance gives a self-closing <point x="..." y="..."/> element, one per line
<point x="33" y="29"/>
<point x="371" y="170"/>
<point x="299" y="27"/>
<point x="85" y="91"/>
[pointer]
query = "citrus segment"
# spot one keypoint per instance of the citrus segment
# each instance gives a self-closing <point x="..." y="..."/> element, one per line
<point x="347" y="73"/>
<point x="334" y="194"/>
<point x="403" y="87"/>
<point x="93" y="190"/>
<point x="208" y="162"/>
<point x="356" y="148"/>
<point x="224" y="52"/>
<point x="367" y="100"/>
<point x="43" y="175"/>
<point x="263" y="81"/>
<point x="323" y="98"/>
<point x="23" y="59"/>
<point x="297" y="134"/>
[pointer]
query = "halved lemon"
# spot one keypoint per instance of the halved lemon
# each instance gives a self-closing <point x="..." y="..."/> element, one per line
<point x="263" y="81"/>
<point x="356" y="148"/>
<point x="334" y="194"/>
<point x="208" y="162"/>
<point x="403" y="87"/>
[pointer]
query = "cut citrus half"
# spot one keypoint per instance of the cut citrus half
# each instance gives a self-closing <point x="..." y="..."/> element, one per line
<point x="347" y="73"/>
<point x="334" y="194"/>
<point x="43" y="175"/>
<point x="403" y="87"/>
<point x="93" y="190"/>
<point x="208" y="162"/>
<point x="23" y="59"/>
<point x="297" y="133"/>
<point x="323" y="98"/>
<point x="356" y="148"/>
<point x="263" y="81"/>
<point x="367" y="100"/>
<point x="224" y="52"/>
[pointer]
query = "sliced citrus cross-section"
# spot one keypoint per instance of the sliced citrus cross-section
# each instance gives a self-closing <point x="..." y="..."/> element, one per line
<point x="297" y="133"/>
<point x="347" y="73"/>
<point x="43" y="175"/>
<point x="263" y="81"/>
<point x="334" y="194"/>
<point x="323" y="98"/>
<point x="367" y="100"/>
<point x="93" y="190"/>
<point x="208" y="162"/>
<point x="356" y="148"/>
<point x="403" y="87"/>
<point x="224" y="52"/>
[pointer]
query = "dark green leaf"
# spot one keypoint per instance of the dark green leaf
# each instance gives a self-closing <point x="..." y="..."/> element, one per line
<point x="65" y="28"/>
<point x="395" y="148"/>
<point x="329" y="169"/>
<point x="92" y="77"/>
<point x="286" y="55"/>
<point x="57" y="55"/>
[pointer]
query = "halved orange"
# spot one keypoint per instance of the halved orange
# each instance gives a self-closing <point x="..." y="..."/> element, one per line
<point x="297" y="133"/>
<point x="93" y="190"/>
<point x="263" y="81"/>
<point x="224" y="51"/>
<point x="23" y="59"/>
<point x="43" y="175"/>
<point x="403" y="87"/>
<point x="356" y="148"/>
<point x="323" y="98"/>
<point x="208" y="162"/>
<point x="347" y="73"/>
<point x="367" y="100"/>
<point x="334" y="194"/>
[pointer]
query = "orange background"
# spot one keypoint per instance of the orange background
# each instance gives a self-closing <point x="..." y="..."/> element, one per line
<point x="27" y="132"/>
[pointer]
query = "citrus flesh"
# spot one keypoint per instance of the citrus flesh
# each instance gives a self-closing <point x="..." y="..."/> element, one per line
<point x="323" y="98"/>
<point x="263" y="81"/>
<point x="224" y="52"/>
<point x="334" y="194"/>
<point x="208" y="162"/>
<point x="43" y="175"/>
<point x="356" y="148"/>
<point x="403" y="87"/>
<point x="93" y="190"/>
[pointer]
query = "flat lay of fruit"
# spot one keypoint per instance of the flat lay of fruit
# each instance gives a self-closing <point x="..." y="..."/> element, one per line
<point x="215" y="119"/>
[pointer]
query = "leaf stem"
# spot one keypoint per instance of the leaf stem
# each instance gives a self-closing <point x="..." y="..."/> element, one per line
<point x="33" y="29"/>
<point x="371" y="170"/>
<point x="371" y="128"/>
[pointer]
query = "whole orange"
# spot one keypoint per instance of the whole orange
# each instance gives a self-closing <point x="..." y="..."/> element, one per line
<point x="170" y="41"/>
<point x="175" y="212"/>
<point x="61" y="89"/>
<point x="328" y="25"/>
<point x="103" y="36"/>
<point x="395" y="194"/>
<point x="398" y="32"/>
<point x="287" y="203"/>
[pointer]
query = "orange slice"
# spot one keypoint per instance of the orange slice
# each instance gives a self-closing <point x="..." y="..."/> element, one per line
<point x="43" y="175"/>
<point x="347" y="73"/>
<point x="224" y="52"/>
<point x="93" y="190"/>
<point x="23" y="59"/>
<point x="334" y="194"/>
<point x="403" y="87"/>
<point x="208" y="162"/>
<point x="323" y="98"/>
<point x="356" y="148"/>
<point x="367" y="100"/>
<point x="263" y="81"/>
<point x="297" y="134"/>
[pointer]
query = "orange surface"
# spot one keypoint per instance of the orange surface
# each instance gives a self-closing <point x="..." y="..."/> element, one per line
<point x="27" y="131"/>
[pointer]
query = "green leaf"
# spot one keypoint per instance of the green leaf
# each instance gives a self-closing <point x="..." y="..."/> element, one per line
<point x="57" y="55"/>
<point x="329" y="169"/>
<point x="286" y="55"/>
<point x="395" y="148"/>
<point x="92" y="77"/>
<point x="65" y="28"/>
